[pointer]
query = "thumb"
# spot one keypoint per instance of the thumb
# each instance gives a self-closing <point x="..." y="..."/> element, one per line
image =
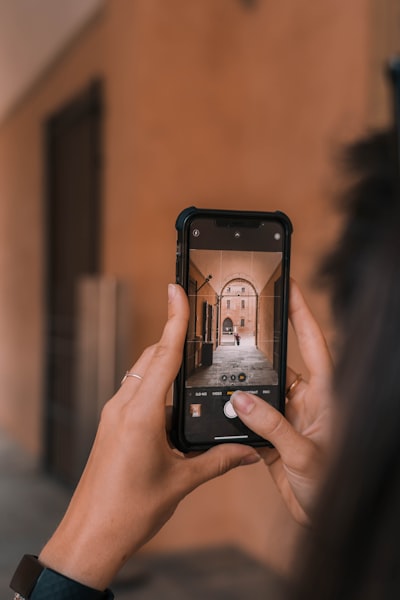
<point x="219" y="460"/>
<point x="269" y="423"/>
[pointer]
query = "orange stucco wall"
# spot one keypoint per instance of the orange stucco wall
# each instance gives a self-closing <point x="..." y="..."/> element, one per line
<point x="207" y="103"/>
<point x="22" y="189"/>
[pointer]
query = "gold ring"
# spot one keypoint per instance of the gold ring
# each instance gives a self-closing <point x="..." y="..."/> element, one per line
<point x="129" y="374"/>
<point x="295" y="383"/>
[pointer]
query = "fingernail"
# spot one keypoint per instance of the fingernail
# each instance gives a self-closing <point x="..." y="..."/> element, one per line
<point x="250" y="459"/>
<point x="171" y="292"/>
<point x="243" y="402"/>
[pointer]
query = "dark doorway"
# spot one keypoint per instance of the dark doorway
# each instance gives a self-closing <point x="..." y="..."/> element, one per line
<point x="227" y="325"/>
<point x="73" y="171"/>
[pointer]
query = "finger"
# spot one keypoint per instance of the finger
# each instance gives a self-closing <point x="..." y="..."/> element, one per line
<point x="291" y="376"/>
<point x="131" y="384"/>
<point x="167" y="354"/>
<point x="269" y="423"/>
<point x="269" y="455"/>
<point x="217" y="461"/>
<point x="142" y="364"/>
<point x="294" y="382"/>
<point x="312" y="344"/>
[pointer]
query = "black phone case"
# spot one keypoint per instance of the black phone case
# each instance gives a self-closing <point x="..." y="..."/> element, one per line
<point x="182" y="225"/>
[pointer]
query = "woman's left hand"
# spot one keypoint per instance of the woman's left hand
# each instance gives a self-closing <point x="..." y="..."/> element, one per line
<point x="303" y="438"/>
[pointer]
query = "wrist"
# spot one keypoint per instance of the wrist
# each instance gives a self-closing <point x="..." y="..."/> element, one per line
<point x="83" y="550"/>
<point x="90" y="566"/>
<point x="34" y="581"/>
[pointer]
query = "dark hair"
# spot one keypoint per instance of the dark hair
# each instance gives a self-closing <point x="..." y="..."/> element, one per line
<point x="352" y="550"/>
<point x="370" y="202"/>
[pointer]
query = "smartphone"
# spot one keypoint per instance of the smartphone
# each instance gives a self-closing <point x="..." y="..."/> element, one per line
<point x="234" y="267"/>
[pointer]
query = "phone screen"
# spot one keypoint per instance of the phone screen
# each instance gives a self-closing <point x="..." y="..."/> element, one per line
<point x="234" y="283"/>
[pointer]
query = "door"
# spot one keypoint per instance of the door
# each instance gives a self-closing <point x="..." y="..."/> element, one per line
<point x="73" y="170"/>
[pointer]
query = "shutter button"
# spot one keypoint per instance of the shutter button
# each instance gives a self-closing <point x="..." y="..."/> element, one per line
<point x="229" y="411"/>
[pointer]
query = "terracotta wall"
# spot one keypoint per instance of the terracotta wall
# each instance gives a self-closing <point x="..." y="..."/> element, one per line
<point x="22" y="185"/>
<point x="217" y="105"/>
<point x="207" y="103"/>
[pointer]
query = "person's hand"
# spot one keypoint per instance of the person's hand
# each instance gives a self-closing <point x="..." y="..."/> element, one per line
<point x="301" y="440"/>
<point x="134" y="480"/>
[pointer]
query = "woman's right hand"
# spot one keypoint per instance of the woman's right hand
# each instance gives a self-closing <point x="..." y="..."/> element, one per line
<point x="301" y="440"/>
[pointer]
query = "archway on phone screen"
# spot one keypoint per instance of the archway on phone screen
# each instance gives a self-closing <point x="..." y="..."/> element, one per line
<point x="239" y="312"/>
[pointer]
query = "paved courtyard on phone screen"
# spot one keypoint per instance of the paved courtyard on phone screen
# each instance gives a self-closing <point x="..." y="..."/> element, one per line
<point x="231" y="360"/>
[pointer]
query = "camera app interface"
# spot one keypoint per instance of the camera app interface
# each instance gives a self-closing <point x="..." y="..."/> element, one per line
<point x="234" y="334"/>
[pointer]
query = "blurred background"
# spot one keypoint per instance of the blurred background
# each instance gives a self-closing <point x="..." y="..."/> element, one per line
<point x="114" y="116"/>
